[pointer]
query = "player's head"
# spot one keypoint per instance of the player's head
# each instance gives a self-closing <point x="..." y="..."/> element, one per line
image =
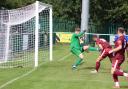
<point x="77" y="30"/>
<point x="120" y="31"/>
<point x="94" y="37"/>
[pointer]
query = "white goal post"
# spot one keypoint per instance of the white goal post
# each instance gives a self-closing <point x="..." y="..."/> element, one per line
<point x="26" y="35"/>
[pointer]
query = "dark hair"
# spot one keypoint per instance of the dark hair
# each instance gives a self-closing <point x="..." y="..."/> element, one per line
<point x="77" y="29"/>
<point x="121" y="29"/>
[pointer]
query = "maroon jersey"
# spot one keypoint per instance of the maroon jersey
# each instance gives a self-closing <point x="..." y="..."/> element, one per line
<point x="103" y="43"/>
<point x="121" y="41"/>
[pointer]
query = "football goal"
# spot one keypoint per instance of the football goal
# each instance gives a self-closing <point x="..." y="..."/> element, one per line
<point x="26" y="35"/>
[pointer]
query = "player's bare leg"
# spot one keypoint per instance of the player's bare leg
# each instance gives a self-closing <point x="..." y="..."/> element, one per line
<point x="115" y="78"/>
<point x="97" y="65"/>
<point x="116" y="72"/>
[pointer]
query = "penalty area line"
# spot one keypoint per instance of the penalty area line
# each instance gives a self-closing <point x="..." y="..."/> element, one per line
<point x="65" y="57"/>
<point x="28" y="73"/>
<point x="17" y="78"/>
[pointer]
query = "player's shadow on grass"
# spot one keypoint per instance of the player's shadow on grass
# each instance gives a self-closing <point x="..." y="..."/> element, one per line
<point x="87" y="68"/>
<point x="124" y="87"/>
<point x="108" y="72"/>
<point x="92" y="68"/>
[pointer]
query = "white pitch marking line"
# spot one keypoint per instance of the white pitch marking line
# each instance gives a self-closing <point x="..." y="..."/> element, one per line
<point x="19" y="77"/>
<point x="11" y="81"/>
<point x="65" y="57"/>
<point x="26" y="74"/>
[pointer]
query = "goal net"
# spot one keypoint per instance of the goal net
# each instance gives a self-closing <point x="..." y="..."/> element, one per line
<point x="26" y="35"/>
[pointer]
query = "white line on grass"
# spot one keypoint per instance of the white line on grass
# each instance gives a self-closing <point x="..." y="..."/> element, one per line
<point x="65" y="57"/>
<point x="19" y="77"/>
<point x="29" y="72"/>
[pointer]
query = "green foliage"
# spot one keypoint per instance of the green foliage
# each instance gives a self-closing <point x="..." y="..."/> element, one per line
<point x="11" y="4"/>
<point x="103" y="11"/>
<point x="66" y="9"/>
<point x="63" y="9"/>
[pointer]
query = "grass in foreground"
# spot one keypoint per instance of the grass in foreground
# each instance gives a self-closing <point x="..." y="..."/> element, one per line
<point x="59" y="75"/>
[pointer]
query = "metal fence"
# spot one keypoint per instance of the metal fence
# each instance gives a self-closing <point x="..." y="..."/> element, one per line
<point x="68" y="26"/>
<point x="112" y="27"/>
<point x="64" y="25"/>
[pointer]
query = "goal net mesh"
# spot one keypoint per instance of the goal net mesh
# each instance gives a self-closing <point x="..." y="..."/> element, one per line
<point x="17" y="36"/>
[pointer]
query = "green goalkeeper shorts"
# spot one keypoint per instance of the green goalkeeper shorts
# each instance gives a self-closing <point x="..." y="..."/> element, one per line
<point x="77" y="51"/>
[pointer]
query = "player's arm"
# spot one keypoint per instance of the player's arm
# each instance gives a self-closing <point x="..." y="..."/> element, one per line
<point x="127" y="49"/>
<point x="127" y="46"/>
<point x="80" y="34"/>
<point x="100" y="46"/>
<point x="117" y="48"/>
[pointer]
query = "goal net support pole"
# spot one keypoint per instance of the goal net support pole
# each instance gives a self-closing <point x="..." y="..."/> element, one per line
<point x="26" y="36"/>
<point x="7" y="42"/>
<point x="51" y="34"/>
<point x="36" y="32"/>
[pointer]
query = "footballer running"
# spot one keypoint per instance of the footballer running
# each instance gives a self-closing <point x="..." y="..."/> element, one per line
<point x="119" y="50"/>
<point x="105" y="48"/>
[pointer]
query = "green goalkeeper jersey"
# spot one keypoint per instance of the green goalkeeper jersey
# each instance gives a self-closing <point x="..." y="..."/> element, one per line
<point x="75" y="42"/>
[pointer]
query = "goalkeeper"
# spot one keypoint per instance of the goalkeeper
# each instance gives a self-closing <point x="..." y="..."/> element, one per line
<point x="76" y="48"/>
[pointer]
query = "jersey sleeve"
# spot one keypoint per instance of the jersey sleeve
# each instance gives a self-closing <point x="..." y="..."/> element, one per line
<point x="79" y="35"/>
<point x="116" y="38"/>
<point x="98" y="42"/>
<point x="119" y="42"/>
<point x="127" y="38"/>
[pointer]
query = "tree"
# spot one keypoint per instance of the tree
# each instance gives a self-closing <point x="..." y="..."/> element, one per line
<point x="66" y="9"/>
<point x="62" y="9"/>
<point x="11" y="4"/>
<point x="103" y="11"/>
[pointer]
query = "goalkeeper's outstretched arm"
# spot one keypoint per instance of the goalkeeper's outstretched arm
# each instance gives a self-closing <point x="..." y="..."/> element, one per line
<point x="80" y="34"/>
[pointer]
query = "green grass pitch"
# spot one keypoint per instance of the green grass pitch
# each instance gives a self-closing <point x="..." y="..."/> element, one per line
<point x="59" y="75"/>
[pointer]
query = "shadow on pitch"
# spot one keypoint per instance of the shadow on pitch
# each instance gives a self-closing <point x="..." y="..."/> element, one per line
<point x="108" y="72"/>
<point x="87" y="68"/>
<point x="124" y="87"/>
<point x="92" y="68"/>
